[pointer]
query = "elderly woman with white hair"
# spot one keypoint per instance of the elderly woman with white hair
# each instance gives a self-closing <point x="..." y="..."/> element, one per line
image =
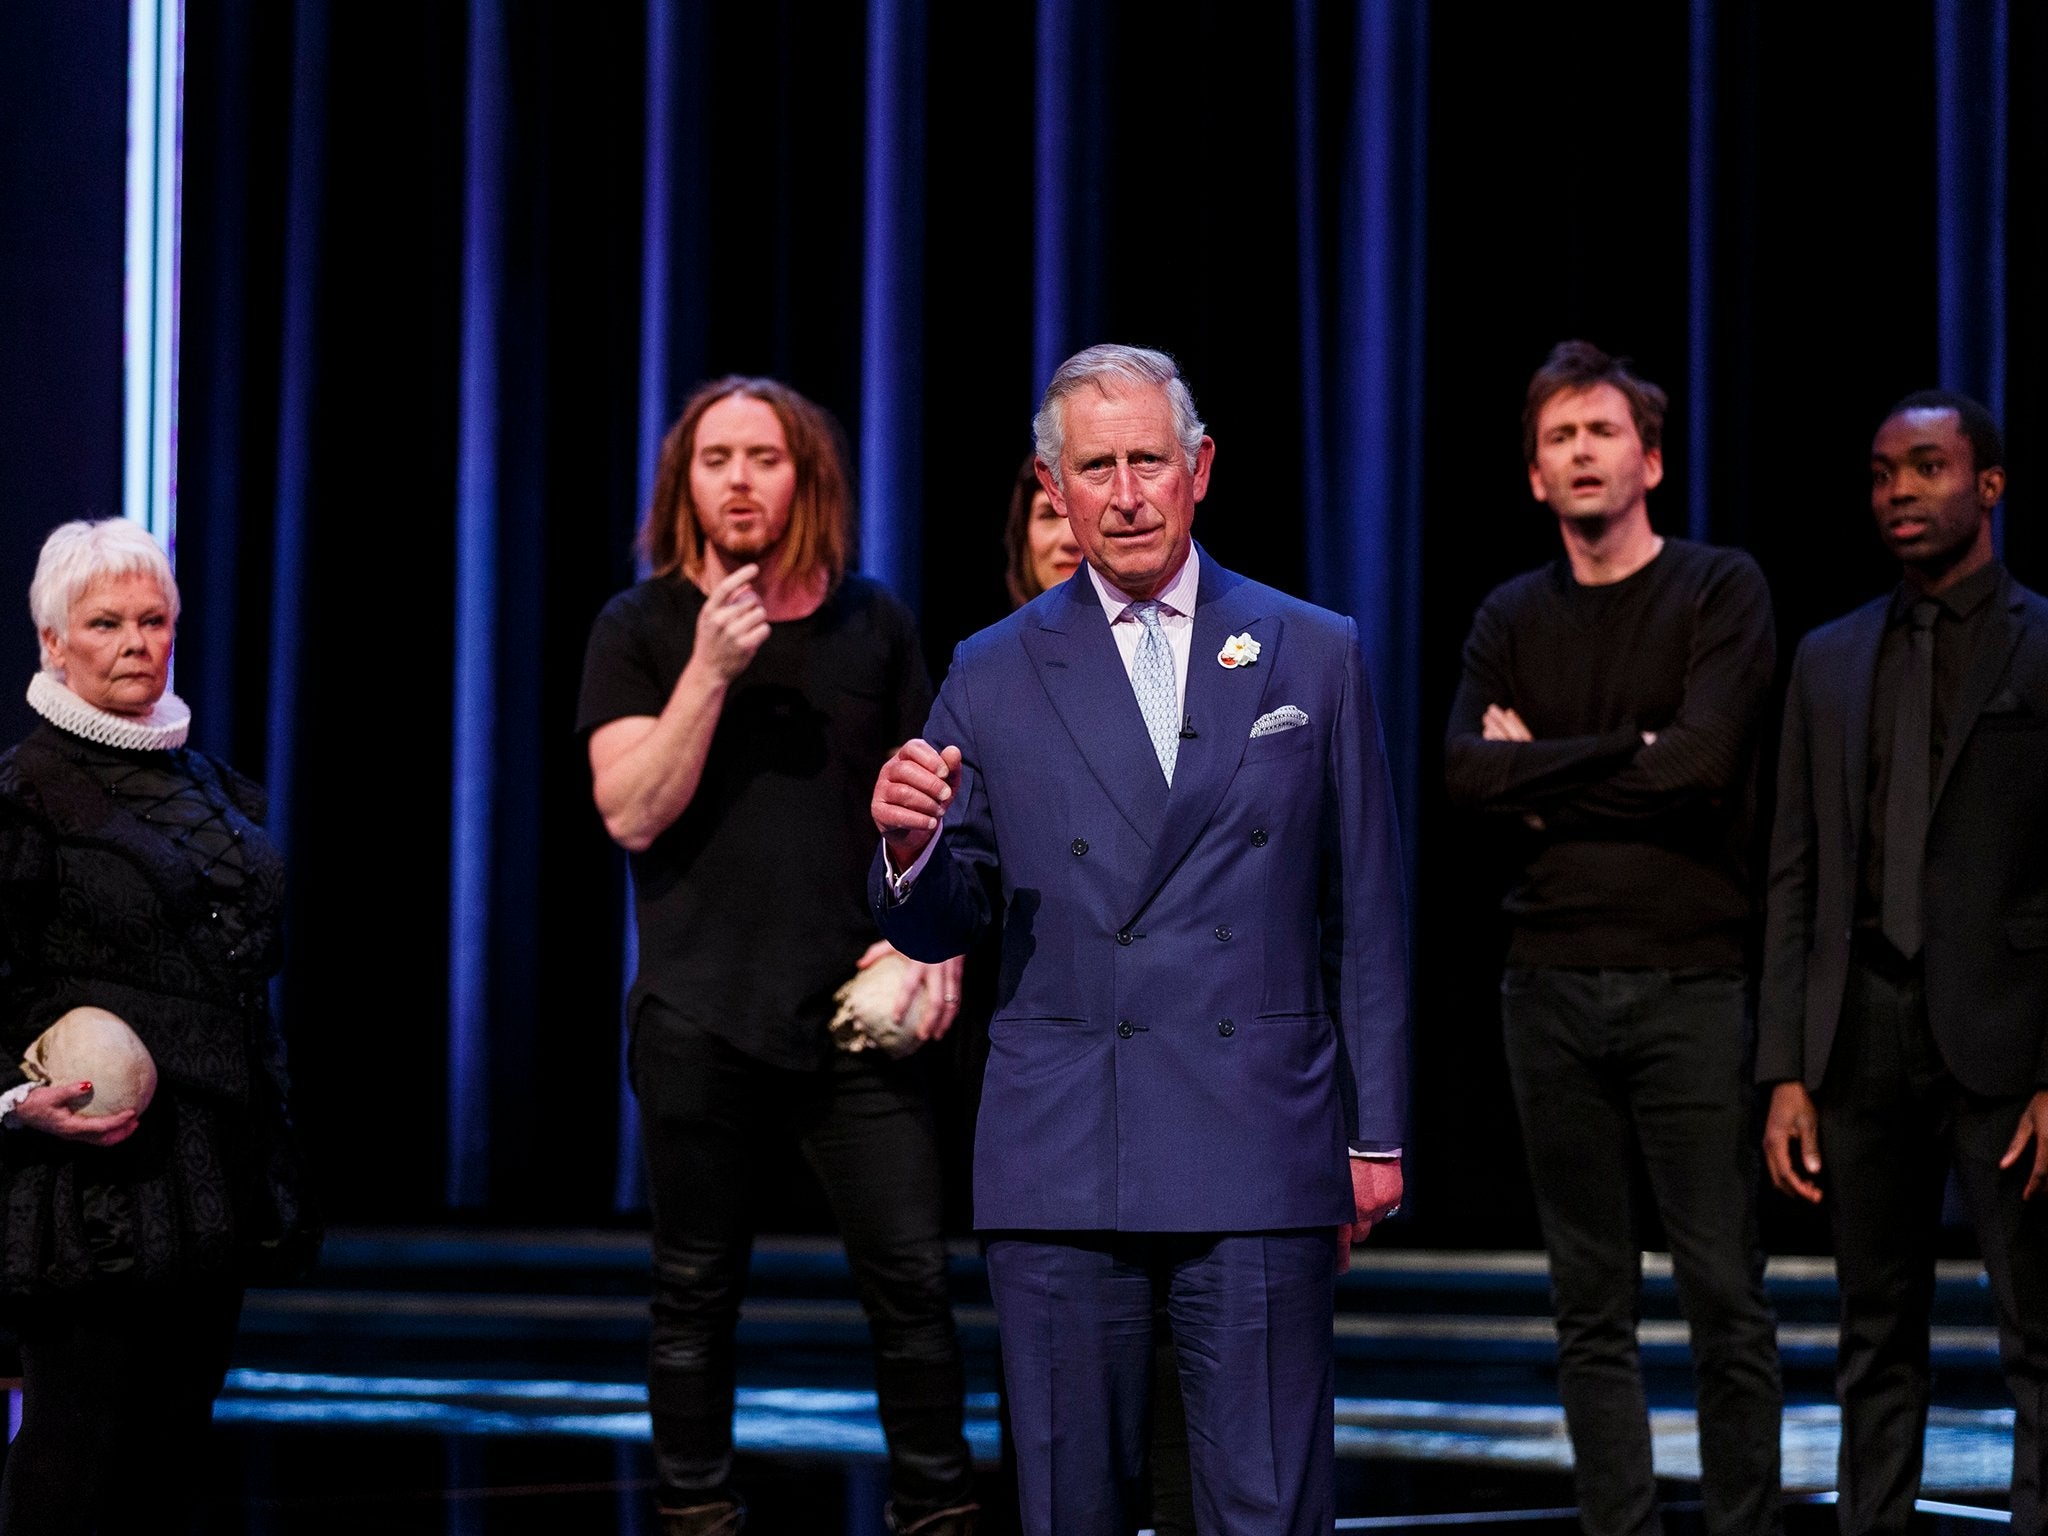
<point x="147" y="1166"/>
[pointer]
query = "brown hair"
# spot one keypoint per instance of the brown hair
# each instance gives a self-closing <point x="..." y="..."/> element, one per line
<point x="1018" y="575"/>
<point x="1577" y="365"/>
<point x="821" y="519"/>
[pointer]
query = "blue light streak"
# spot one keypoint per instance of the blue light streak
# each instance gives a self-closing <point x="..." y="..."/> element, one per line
<point x="156" y="67"/>
<point x="476" y="614"/>
<point x="1966" y="1448"/>
<point x="1970" y="114"/>
<point x="892" y="300"/>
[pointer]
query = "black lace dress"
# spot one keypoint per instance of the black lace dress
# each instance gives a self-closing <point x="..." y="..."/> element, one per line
<point x="141" y="882"/>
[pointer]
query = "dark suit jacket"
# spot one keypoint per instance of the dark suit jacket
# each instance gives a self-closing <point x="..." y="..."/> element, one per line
<point x="1203" y="993"/>
<point x="1985" y="899"/>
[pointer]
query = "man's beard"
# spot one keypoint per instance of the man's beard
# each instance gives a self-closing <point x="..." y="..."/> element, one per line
<point x="736" y="547"/>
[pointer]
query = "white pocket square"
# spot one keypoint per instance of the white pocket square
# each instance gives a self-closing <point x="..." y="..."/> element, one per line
<point x="1285" y="718"/>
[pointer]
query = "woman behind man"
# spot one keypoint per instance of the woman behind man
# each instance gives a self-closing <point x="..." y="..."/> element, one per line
<point x="135" y="878"/>
<point x="1038" y="546"/>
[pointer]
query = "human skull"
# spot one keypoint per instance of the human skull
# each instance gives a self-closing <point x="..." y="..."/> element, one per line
<point x="92" y="1045"/>
<point x="867" y="1006"/>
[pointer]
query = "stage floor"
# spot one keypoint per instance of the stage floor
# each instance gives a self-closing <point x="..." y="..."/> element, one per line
<point x="488" y="1383"/>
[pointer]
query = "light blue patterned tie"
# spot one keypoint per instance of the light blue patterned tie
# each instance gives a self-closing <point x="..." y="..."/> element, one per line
<point x="1158" y="693"/>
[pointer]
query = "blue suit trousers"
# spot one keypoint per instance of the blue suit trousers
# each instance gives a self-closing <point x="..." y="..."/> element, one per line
<point x="1252" y="1317"/>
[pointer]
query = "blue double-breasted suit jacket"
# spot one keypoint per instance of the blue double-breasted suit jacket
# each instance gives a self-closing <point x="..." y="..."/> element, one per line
<point x="1203" y="997"/>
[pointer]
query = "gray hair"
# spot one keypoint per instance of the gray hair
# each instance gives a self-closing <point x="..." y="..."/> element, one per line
<point x="76" y="555"/>
<point x="1104" y="367"/>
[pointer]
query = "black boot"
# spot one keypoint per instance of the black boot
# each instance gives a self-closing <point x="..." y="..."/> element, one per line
<point x="720" y="1517"/>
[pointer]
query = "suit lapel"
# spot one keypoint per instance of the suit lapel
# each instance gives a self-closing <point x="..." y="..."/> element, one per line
<point x="1994" y="654"/>
<point x="1083" y="675"/>
<point x="1222" y="703"/>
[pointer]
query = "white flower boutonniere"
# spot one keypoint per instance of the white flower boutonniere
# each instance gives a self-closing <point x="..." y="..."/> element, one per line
<point x="1238" y="651"/>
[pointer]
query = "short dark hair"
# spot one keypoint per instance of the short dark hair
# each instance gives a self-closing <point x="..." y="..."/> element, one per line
<point x="1987" y="443"/>
<point x="1576" y="365"/>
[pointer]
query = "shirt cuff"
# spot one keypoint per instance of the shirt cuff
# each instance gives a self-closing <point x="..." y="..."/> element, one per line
<point x="1374" y="1152"/>
<point x="11" y="1101"/>
<point x="899" y="885"/>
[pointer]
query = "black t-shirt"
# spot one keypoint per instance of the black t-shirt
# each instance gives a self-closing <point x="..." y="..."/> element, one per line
<point x="752" y="907"/>
<point x="1642" y="855"/>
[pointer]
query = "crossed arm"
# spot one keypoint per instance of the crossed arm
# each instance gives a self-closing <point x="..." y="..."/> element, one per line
<point x="1495" y="762"/>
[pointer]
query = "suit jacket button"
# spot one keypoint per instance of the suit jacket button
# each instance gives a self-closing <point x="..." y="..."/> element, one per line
<point x="1124" y="937"/>
<point x="1078" y="846"/>
<point x="1258" y="837"/>
<point x="1123" y="1028"/>
<point x="1223" y="934"/>
<point x="1225" y="1028"/>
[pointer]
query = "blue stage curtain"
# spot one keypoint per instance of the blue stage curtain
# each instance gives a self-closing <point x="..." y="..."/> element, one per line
<point x="472" y="862"/>
<point x="1361" y="214"/>
<point x="451" y="274"/>
<point x="1703" y="89"/>
<point x="546" y="443"/>
<point x="892" y="298"/>
<point x="1070" y="161"/>
<point x="298" y="405"/>
<point x="673" y="268"/>
<point x="1970" y="115"/>
<point x="63" y="81"/>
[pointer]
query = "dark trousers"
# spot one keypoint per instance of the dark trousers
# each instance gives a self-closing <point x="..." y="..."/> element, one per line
<point x="1252" y="1318"/>
<point x="1605" y="1063"/>
<point x="1892" y="1123"/>
<point x="116" y="1399"/>
<point x="865" y="1126"/>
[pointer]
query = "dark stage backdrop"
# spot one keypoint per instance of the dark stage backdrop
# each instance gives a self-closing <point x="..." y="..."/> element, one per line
<point x="63" y="149"/>
<point x="448" y="272"/>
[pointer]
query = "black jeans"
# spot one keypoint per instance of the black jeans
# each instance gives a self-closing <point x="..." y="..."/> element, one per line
<point x="1605" y="1062"/>
<point x="1892" y="1122"/>
<point x="865" y="1127"/>
<point x="116" y="1400"/>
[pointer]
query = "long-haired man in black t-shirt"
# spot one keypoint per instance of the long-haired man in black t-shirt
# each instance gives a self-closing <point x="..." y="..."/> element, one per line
<point x="1607" y="721"/>
<point x="738" y="705"/>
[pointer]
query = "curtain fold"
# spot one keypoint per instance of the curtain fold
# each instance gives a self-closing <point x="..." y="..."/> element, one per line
<point x="891" y="459"/>
<point x="1971" y="43"/>
<point x="451" y="274"/>
<point x="1361" y="199"/>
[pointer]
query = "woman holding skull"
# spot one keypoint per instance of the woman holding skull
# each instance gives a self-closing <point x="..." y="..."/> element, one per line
<point x="147" y="1168"/>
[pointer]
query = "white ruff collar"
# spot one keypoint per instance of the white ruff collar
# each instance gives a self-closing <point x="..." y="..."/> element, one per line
<point x="164" y="727"/>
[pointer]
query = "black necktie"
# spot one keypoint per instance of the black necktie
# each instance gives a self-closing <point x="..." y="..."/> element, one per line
<point x="1906" y="801"/>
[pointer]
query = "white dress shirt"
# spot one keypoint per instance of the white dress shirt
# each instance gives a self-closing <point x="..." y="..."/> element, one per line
<point x="1176" y="618"/>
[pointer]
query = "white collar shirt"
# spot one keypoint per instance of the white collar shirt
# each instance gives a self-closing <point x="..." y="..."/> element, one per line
<point x="1176" y="619"/>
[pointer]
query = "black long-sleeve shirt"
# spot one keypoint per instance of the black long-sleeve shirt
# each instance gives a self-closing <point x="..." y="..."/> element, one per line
<point x="1641" y="858"/>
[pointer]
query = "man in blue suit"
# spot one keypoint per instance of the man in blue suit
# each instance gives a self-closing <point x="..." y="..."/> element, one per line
<point x="1164" y="784"/>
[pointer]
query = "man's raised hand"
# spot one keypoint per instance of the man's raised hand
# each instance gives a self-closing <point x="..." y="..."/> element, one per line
<point x="731" y="625"/>
<point x="911" y="796"/>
